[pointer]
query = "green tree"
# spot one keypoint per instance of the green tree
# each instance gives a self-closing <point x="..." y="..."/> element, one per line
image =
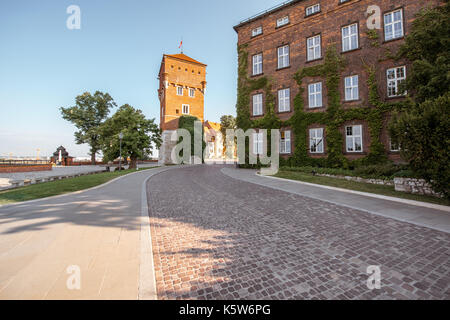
<point x="422" y="128"/>
<point x="87" y="115"/>
<point x="139" y="135"/>
<point x="226" y="122"/>
<point x="427" y="47"/>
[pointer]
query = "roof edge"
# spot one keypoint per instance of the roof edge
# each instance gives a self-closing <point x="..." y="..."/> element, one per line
<point x="176" y="58"/>
<point x="265" y="13"/>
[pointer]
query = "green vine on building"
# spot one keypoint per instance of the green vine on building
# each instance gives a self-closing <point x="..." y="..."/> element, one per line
<point x="333" y="118"/>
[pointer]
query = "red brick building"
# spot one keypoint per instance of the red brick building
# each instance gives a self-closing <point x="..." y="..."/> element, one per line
<point x="296" y="35"/>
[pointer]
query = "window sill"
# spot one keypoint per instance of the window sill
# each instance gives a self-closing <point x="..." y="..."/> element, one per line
<point x="278" y="69"/>
<point x="392" y="40"/>
<point x="283" y="112"/>
<point x="351" y="101"/>
<point x="352" y="50"/>
<point x="284" y="25"/>
<point x="314" y="60"/>
<point x="312" y="14"/>
<point x="258" y="35"/>
<point x="256" y="75"/>
<point x="396" y="97"/>
<point x="349" y="153"/>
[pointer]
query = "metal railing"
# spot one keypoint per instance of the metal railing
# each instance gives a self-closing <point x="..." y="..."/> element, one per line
<point x="11" y="163"/>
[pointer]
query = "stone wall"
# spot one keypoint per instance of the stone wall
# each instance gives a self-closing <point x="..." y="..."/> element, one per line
<point x="359" y="179"/>
<point x="415" y="186"/>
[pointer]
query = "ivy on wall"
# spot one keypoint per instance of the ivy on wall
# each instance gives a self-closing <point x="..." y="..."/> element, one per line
<point x="333" y="118"/>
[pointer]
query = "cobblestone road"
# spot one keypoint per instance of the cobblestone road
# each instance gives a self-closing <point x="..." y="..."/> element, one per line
<point x="215" y="237"/>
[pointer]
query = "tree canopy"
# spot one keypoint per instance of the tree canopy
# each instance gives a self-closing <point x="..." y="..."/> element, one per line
<point x="139" y="135"/>
<point x="88" y="114"/>
<point x="423" y="128"/>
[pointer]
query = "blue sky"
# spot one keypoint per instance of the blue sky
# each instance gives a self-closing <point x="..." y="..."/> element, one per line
<point x="44" y="65"/>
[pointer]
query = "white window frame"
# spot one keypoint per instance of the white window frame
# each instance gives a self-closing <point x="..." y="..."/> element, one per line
<point x="258" y="143"/>
<point x="392" y="24"/>
<point x="285" y="143"/>
<point x="283" y="56"/>
<point x="316" y="140"/>
<point x="257" y="31"/>
<point x="351" y="85"/>
<point x="282" y="21"/>
<point x="347" y="39"/>
<point x="314" y="50"/>
<point x="192" y="92"/>
<point x="178" y="91"/>
<point x="284" y="100"/>
<point x="185" y="109"/>
<point x="257" y="64"/>
<point x="353" y="138"/>
<point x="312" y="9"/>
<point x="394" y="82"/>
<point x="315" y="95"/>
<point x="257" y="103"/>
<point x="392" y="148"/>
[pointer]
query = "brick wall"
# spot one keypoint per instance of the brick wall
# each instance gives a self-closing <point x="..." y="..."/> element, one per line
<point x="12" y="169"/>
<point x="328" y="23"/>
<point x="177" y="72"/>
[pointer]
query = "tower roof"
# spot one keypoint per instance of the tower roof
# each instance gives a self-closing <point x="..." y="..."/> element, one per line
<point x="182" y="56"/>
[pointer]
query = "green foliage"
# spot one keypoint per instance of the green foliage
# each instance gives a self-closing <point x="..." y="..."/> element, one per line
<point x="187" y="122"/>
<point x="424" y="134"/>
<point x="226" y="122"/>
<point x="427" y="46"/>
<point x="423" y="128"/>
<point x="139" y="134"/>
<point x="384" y="171"/>
<point x="88" y="114"/>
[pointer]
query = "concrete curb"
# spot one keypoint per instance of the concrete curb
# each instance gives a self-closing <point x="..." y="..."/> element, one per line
<point x="372" y="195"/>
<point x="72" y="193"/>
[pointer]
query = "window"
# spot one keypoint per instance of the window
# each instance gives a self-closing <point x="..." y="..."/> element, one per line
<point x="343" y="1"/>
<point x="284" y="100"/>
<point x="350" y="37"/>
<point x="191" y="92"/>
<point x="179" y="90"/>
<point x="257" y="64"/>
<point x="257" y="31"/>
<point x="285" y="142"/>
<point x="393" y="25"/>
<point x="316" y="140"/>
<point x="314" y="50"/>
<point x="257" y="104"/>
<point x="395" y="76"/>
<point x="257" y="143"/>
<point x="315" y="95"/>
<point x="353" y="138"/>
<point x="185" y="109"/>
<point x="312" y="9"/>
<point x="283" y="57"/>
<point x="282" y="21"/>
<point x="393" y="145"/>
<point x="351" y="88"/>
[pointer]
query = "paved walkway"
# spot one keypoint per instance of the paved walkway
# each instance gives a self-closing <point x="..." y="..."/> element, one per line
<point x="426" y="215"/>
<point x="98" y="230"/>
<point x="217" y="237"/>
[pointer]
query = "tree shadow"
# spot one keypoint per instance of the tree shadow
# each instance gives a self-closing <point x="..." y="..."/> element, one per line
<point x="215" y="237"/>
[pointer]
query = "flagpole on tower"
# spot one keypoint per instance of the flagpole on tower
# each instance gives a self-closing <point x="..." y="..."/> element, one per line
<point x="181" y="45"/>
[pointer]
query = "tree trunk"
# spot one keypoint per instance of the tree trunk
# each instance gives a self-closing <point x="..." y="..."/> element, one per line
<point x="133" y="163"/>
<point x="93" y="158"/>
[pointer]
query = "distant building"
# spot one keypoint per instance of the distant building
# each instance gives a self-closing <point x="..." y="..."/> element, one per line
<point x="61" y="157"/>
<point x="182" y="85"/>
<point x="214" y="141"/>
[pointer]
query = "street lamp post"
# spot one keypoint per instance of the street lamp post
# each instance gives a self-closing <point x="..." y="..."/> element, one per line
<point x="120" y="150"/>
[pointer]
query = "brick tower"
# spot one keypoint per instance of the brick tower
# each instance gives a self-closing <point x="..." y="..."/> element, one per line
<point x="182" y="84"/>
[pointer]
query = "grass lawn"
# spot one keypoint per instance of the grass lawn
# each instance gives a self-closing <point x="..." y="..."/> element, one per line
<point x="53" y="188"/>
<point x="358" y="186"/>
